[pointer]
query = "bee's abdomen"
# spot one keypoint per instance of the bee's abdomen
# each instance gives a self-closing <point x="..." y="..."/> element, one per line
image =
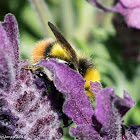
<point x="88" y="71"/>
<point x="83" y="65"/>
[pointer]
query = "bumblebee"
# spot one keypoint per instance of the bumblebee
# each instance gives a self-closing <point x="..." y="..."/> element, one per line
<point x="62" y="50"/>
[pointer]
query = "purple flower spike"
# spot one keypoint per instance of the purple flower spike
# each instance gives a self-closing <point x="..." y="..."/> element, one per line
<point x="24" y="111"/>
<point x="77" y="105"/>
<point x="9" y="51"/>
<point x="130" y="9"/>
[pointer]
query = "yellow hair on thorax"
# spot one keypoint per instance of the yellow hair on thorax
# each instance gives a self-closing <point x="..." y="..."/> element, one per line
<point x="58" y="52"/>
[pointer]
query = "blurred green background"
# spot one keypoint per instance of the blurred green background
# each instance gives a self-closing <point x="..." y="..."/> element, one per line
<point x="114" y="48"/>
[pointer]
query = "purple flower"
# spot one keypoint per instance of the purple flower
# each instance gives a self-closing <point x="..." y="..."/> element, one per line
<point x="71" y="84"/>
<point x="130" y="9"/>
<point x="102" y="123"/>
<point x="24" y="111"/>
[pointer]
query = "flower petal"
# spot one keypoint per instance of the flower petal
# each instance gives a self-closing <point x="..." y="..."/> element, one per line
<point x="109" y="112"/>
<point x="130" y="3"/>
<point x="85" y="132"/>
<point x="95" y="87"/>
<point x="135" y="130"/>
<point x="11" y="27"/>
<point x="6" y="65"/>
<point x="131" y="14"/>
<point x="77" y="105"/>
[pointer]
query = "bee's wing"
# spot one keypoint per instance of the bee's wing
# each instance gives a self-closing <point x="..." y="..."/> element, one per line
<point x="65" y="45"/>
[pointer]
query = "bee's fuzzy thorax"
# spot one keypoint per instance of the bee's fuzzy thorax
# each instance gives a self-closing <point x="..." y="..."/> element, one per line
<point x="39" y="50"/>
<point x="58" y="52"/>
